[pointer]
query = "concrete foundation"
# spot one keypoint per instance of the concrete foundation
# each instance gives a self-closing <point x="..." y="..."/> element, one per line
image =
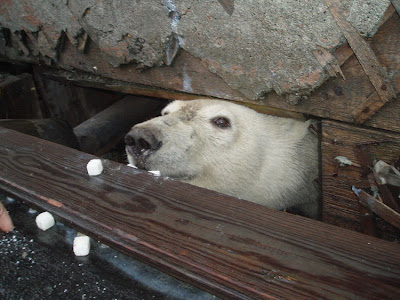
<point x="255" y="46"/>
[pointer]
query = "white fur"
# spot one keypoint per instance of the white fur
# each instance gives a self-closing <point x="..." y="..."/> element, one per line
<point x="264" y="159"/>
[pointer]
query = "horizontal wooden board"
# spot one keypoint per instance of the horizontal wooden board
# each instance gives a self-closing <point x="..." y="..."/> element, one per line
<point x="230" y="247"/>
<point x="88" y="80"/>
<point x="340" y="204"/>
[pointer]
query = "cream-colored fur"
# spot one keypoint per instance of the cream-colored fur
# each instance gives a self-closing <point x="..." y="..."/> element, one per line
<point x="264" y="159"/>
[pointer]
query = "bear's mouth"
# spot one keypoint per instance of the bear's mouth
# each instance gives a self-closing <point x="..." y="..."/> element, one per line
<point x="139" y="159"/>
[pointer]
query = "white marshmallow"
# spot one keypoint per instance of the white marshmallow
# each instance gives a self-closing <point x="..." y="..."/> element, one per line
<point x="81" y="245"/>
<point x="94" y="167"/>
<point x="155" y="173"/>
<point x="45" y="220"/>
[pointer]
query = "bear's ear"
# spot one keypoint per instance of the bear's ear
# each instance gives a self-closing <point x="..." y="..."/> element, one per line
<point x="221" y="122"/>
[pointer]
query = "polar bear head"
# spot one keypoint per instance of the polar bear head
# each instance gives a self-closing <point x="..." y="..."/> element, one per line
<point x="231" y="149"/>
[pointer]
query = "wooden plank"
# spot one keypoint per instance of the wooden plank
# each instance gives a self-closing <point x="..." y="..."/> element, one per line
<point x="72" y="103"/>
<point x="379" y="208"/>
<point x="340" y="205"/>
<point x="18" y="97"/>
<point x="338" y="98"/>
<point x="230" y="247"/>
<point x="368" y="61"/>
<point x="53" y="130"/>
<point x="86" y="80"/>
<point x="367" y="109"/>
<point x="187" y="74"/>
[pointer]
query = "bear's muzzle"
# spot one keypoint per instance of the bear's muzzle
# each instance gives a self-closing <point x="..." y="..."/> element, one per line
<point x="140" y="143"/>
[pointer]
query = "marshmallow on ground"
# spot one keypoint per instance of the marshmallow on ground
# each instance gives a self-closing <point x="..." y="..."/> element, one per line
<point x="44" y="220"/>
<point x="81" y="245"/>
<point x="94" y="167"/>
<point x="155" y="173"/>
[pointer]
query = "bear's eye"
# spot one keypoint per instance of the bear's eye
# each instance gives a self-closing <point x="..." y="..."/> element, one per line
<point x="165" y="113"/>
<point x="221" y="122"/>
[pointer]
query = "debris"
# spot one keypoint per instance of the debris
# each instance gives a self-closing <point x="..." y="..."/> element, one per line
<point x="344" y="161"/>
<point x="155" y="173"/>
<point x="386" y="173"/>
<point x="378" y="207"/>
<point x="32" y="211"/>
<point x="10" y="200"/>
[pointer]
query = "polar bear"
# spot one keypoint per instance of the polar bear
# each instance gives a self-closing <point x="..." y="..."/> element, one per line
<point x="232" y="149"/>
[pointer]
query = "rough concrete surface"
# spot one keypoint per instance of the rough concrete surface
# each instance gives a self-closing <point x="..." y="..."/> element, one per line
<point x="255" y="46"/>
<point x="126" y="31"/>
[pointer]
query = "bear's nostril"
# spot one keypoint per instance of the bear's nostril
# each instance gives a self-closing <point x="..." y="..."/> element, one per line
<point x="143" y="144"/>
<point x="129" y="140"/>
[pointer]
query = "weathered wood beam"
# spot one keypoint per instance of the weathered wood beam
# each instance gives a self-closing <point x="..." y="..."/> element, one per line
<point x="230" y="247"/>
<point x="337" y="98"/>
<point x="89" y="80"/>
<point x="53" y="130"/>
<point x="18" y="97"/>
<point x="378" y="207"/>
<point x="340" y="205"/>
<point x="367" y="219"/>
<point x="368" y="61"/>
<point x="344" y="52"/>
<point x="103" y="131"/>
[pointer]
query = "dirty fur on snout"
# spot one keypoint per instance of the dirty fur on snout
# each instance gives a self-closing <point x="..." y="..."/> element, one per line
<point x="264" y="159"/>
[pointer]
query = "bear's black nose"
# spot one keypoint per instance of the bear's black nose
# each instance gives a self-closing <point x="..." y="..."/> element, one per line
<point x="139" y="140"/>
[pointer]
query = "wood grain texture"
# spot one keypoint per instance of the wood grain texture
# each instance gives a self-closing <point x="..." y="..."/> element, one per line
<point x="338" y="98"/>
<point x="86" y="80"/>
<point x="364" y="53"/>
<point x="202" y="81"/>
<point x="230" y="247"/>
<point x="340" y="205"/>
<point x="379" y="208"/>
